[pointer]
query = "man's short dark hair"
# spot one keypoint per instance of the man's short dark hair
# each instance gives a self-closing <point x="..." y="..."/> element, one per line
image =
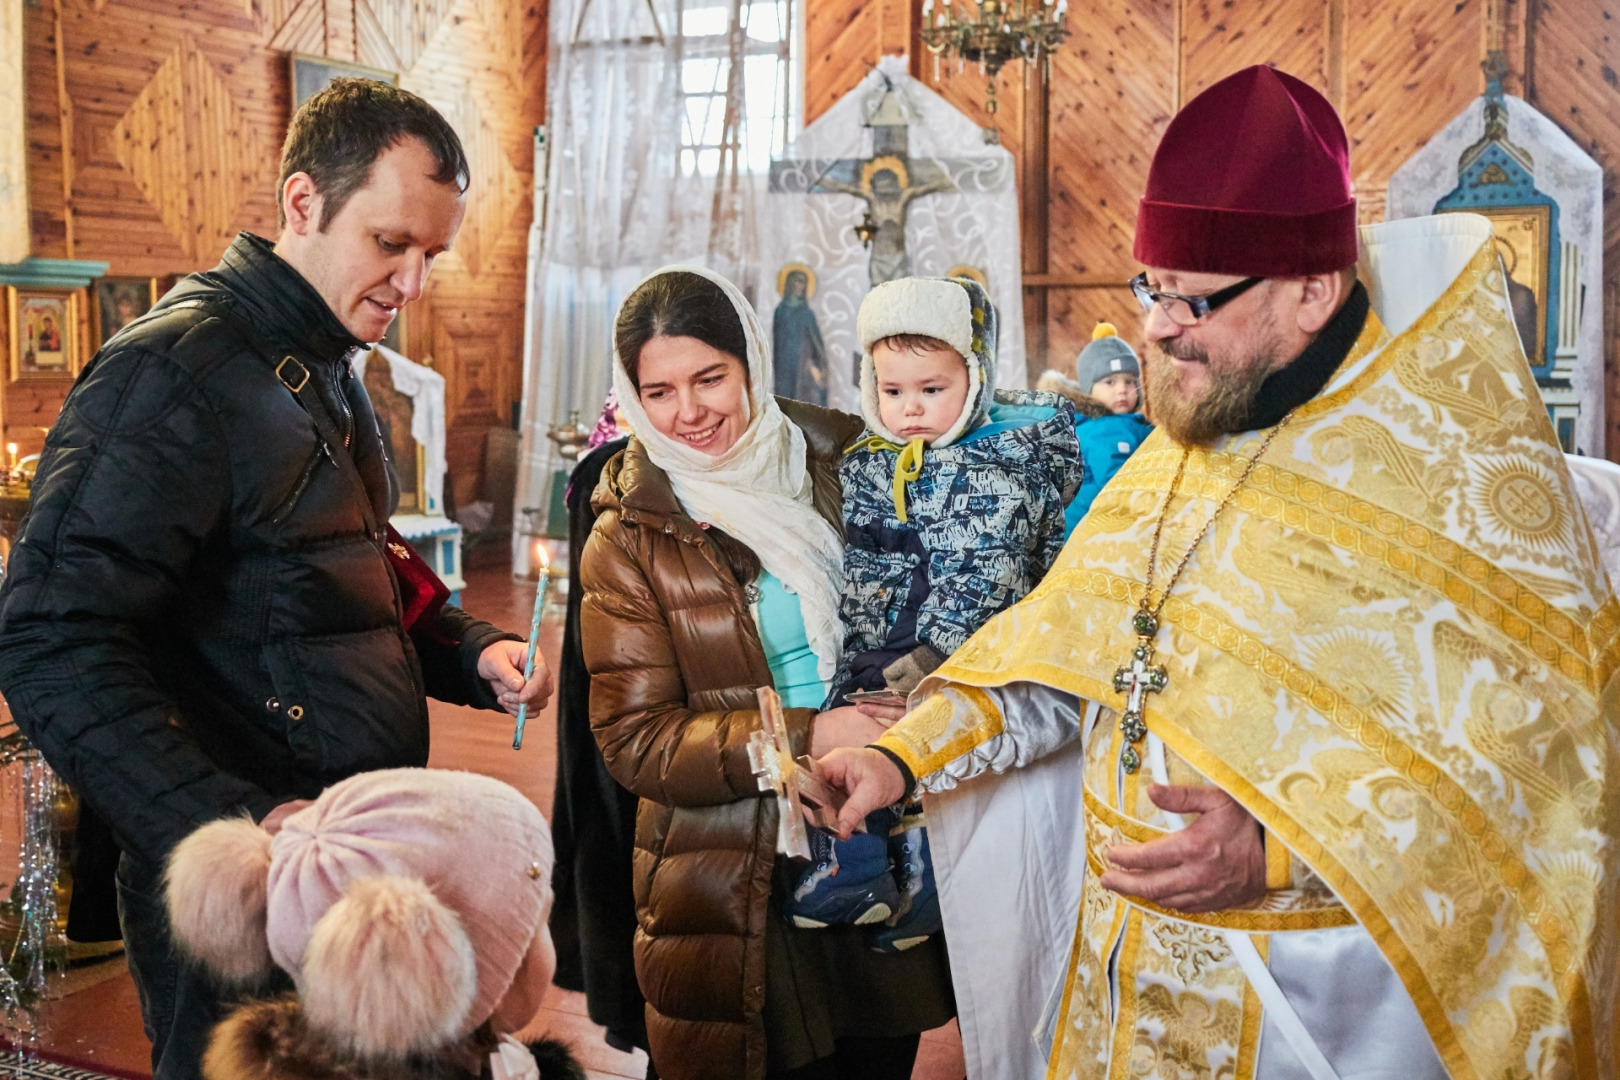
<point x="340" y="133"/>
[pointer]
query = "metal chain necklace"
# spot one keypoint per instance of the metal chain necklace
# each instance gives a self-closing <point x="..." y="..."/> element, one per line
<point x="1138" y="677"/>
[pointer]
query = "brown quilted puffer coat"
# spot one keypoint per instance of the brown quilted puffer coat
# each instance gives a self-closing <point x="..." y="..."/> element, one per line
<point x="675" y="659"/>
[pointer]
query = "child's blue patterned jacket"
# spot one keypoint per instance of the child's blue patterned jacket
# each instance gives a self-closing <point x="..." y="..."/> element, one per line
<point x="984" y="522"/>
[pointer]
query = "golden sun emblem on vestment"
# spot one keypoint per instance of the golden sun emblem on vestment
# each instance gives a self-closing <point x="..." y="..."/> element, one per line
<point x="1365" y="671"/>
<point x="1514" y="496"/>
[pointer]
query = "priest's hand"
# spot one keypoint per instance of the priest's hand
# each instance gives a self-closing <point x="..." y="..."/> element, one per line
<point x="871" y="780"/>
<point x="1216" y="863"/>
<point x="501" y="665"/>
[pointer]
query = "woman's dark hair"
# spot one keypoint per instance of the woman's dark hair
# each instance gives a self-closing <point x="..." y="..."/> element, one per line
<point x="677" y="304"/>
<point x="681" y="304"/>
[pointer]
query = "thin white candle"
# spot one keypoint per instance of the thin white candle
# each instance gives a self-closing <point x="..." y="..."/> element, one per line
<point x="534" y="637"/>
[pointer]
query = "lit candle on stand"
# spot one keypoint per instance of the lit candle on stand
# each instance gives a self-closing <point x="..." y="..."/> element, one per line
<point x="11" y="456"/>
<point x="544" y="562"/>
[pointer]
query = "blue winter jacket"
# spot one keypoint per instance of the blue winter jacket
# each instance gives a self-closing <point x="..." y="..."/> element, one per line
<point x="984" y="522"/>
<point x="1105" y="443"/>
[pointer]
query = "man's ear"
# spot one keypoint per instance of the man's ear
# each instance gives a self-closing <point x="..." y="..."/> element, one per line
<point x="301" y="204"/>
<point x="1321" y="296"/>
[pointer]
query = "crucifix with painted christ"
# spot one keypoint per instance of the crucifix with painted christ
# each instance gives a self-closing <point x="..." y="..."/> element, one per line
<point x="938" y="197"/>
<point x="888" y="182"/>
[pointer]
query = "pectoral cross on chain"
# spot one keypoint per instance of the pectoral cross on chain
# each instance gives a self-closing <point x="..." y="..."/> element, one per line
<point x="1136" y="680"/>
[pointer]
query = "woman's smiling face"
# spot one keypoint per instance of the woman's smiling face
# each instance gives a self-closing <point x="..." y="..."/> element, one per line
<point x="694" y="393"/>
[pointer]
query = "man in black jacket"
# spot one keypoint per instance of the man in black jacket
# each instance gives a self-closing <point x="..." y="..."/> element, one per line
<point x="201" y="618"/>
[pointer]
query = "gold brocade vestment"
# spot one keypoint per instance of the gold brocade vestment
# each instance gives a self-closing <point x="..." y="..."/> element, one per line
<point x="1397" y="650"/>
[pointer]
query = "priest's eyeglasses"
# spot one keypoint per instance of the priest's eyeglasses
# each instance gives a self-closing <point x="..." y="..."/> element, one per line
<point x="1188" y="310"/>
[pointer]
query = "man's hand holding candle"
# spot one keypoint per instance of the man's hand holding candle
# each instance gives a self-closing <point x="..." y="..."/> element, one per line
<point x="502" y="665"/>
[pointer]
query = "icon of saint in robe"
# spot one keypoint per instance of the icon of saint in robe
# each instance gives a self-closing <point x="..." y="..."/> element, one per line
<point x="799" y="356"/>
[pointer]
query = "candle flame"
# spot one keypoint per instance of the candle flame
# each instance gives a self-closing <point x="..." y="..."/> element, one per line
<point x="542" y="558"/>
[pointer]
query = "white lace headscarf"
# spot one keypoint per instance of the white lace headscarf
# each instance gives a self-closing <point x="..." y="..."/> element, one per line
<point x="759" y="491"/>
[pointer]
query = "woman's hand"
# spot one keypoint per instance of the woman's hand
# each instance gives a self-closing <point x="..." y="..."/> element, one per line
<point x="886" y="713"/>
<point x="847" y="725"/>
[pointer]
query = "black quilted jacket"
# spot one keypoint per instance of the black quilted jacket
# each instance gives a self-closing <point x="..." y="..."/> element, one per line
<point x="197" y="619"/>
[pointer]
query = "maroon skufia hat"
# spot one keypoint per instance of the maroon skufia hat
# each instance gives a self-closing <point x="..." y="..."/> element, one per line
<point x="1252" y="177"/>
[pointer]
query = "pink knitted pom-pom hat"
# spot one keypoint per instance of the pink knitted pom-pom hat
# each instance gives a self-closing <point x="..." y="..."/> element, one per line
<point x="408" y="905"/>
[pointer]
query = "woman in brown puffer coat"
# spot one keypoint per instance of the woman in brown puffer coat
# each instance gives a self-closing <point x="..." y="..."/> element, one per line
<point x="747" y="497"/>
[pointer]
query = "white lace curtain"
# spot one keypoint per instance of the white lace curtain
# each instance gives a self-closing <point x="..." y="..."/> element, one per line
<point x="664" y="115"/>
<point x="13" y="143"/>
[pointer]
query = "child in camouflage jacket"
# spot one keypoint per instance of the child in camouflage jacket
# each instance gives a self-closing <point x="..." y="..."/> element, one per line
<point x="953" y="511"/>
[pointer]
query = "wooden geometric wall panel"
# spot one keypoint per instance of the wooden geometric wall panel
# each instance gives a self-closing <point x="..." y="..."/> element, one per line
<point x="1569" y="50"/>
<point x="967" y="90"/>
<point x="394" y="34"/>
<point x="841" y="45"/>
<point x="497" y="189"/>
<point x="1072" y="313"/>
<point x="1576" y="52"/>
<point x="1111" y="98"/>
<point x="1217" y="39"/>
<point x="293" y="25"/>
<point x="503" y="33"/>
<point x="1408" y="69"/>
<point x="189" y="150"/>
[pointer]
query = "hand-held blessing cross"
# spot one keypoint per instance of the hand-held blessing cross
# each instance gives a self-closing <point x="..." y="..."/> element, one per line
<point x="798" y="785"/>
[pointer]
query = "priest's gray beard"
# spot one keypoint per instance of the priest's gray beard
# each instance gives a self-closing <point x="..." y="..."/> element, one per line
<point x="1198" y="418"/>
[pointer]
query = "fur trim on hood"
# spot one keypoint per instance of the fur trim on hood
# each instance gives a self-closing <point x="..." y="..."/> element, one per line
<point x="956" y="311"/>
<point x="1055" y="382"/>
<point x="272" y="1040"/>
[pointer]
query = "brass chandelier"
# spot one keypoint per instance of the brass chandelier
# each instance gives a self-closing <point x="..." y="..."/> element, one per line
<point x="999" y="32"/>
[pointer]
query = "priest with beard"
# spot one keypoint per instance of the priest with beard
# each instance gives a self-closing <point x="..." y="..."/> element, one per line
<point x="1301" y="761"/>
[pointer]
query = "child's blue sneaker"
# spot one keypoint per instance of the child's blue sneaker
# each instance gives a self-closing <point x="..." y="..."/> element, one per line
<point x="846" y="882"/>
<point x="917" y="918"/>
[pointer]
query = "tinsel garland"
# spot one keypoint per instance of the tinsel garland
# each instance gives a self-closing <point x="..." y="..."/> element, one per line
<point x="35" y="953"/>
<point x="30" y="958"/>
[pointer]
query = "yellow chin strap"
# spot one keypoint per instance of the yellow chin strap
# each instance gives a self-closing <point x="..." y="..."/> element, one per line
<point x="906" y="468"/>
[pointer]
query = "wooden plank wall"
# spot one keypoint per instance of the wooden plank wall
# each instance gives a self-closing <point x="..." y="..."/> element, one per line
<point x="1398" y="70"/>
<point x="172" y="117"/>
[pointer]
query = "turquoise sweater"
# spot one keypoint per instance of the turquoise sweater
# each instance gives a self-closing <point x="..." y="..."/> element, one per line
<point x="787" y="646"/>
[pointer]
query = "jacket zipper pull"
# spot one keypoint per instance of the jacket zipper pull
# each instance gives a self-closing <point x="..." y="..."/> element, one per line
<point x="327" y="450"/>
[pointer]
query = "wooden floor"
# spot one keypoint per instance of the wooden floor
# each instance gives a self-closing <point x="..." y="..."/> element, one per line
<point x="101" y="1027"/>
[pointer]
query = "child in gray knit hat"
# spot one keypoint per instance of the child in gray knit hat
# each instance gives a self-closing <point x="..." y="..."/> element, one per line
<point x="1107" y="392"/>
<point x="1108" y="372"/>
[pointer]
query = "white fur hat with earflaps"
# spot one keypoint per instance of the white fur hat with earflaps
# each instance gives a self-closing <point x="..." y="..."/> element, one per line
<point x="956" y="311"/>
<point x="408" y="905"/>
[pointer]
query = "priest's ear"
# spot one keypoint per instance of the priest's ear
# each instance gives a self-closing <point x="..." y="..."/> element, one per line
<point x="1321" y="297"/>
